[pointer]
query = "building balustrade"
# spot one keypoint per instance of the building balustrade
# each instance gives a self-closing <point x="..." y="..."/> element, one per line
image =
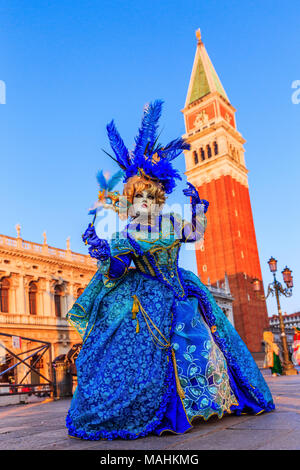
<point x="32" y="247"/>
<point x="18" y="319"/>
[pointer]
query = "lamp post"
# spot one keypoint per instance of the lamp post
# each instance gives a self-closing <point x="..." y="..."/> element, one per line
<point x="276" y="288"/>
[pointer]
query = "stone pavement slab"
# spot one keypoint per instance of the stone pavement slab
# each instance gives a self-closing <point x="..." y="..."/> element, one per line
<point x="42" y="426"/>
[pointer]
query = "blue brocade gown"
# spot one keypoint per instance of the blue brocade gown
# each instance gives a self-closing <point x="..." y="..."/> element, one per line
<point x="157" y="350"/>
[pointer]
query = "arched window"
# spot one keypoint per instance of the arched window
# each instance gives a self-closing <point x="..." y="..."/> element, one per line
<point x="202" y="154"/>
<point x="208" y="149"/>
<point x="57" y="300"/>
<point x="79" y="292"/>
<point x="216" y="148"/>
<point x="195" y="154"/>
<point x="225" y="311"/>
<point x="32" y="298"/>
<point x="4" y="295"/>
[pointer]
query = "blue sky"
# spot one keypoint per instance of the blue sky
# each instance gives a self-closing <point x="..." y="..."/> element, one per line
<point x="71" y="66"/>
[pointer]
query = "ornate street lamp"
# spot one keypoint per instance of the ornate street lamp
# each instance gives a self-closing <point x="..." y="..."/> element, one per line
<point x="275" y="288"/>
<point x="287" y="275"/>
<point x="256" y="285"/>
<point x="272" y="264"/>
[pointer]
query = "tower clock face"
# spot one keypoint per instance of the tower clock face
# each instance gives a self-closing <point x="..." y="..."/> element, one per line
<point x="201" y="117"/>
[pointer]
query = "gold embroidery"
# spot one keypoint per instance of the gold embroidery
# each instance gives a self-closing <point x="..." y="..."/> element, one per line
<point x="178" y="385"/>
<point x="109" y="278"/>
<point x="88" y="333"/>
<point x="139" y="264"/>
<point x="107" y="282"/>
<point x="146" y="241"/>
<point x="77" y="327"/>
<point x="165" y="279"/>
<point x="169" y="247"/>
<point x="152" y="272"/>
<point x="73" y="314"/>
<point x="116" y="278"/>
<point x="123" y="252"/>
<point x="120" y="259"/>
<point x="150" y="268"/>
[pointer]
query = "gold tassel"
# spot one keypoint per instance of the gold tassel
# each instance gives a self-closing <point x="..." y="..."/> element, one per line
<point x="179" y="388"/>
<point x="135" y="310"/>
<point x="135" y="307"/>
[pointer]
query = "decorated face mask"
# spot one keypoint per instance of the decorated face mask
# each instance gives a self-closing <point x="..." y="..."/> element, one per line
<point x="143" y="203"/>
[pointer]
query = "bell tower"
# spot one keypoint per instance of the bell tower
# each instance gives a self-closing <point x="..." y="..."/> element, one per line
<point x="215" y="165"/>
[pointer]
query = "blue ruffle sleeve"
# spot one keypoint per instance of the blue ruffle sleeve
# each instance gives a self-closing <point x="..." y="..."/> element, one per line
<point x="108" y="274"/>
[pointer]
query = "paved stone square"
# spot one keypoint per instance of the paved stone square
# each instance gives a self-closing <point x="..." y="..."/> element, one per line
<point x="41" y="425"/>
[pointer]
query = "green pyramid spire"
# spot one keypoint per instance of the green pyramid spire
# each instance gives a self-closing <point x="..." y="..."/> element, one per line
<point x="204" y="78"/>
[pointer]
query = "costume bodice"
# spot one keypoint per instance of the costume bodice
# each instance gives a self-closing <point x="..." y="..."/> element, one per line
<point x="156" y="253"/>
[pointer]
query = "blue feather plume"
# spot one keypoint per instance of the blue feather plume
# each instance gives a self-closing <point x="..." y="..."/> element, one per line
<point x="109" y="183"/>
<point x="101" y="180"/>
<point x="148" y="131"/>
<point x="148" y="155"/>
<point x="153" y="118"/>
<point x="174" y="148"/>
<point x="118" y="145"/>
<point x="114" y="180"/>
<point x="141" y="138"/>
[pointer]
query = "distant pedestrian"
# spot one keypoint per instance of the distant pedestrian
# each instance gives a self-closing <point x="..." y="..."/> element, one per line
<point x="296" y="347"/>
<point x="272" y="359"/>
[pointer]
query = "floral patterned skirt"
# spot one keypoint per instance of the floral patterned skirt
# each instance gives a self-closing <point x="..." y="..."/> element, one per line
<point x="155" y="368"/>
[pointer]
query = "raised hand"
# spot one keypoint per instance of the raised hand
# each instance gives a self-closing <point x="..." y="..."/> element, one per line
<point x="99" y="248"/>
<point x="193" y="193"/>
<point x="90" y="235"/>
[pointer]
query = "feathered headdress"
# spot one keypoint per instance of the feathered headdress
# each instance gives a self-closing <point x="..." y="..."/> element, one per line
<point x="149" y="158"/>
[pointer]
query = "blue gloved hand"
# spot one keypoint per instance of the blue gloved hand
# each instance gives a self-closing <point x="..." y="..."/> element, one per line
<point x="99" y="248"/>
<point x="193" y="193"/>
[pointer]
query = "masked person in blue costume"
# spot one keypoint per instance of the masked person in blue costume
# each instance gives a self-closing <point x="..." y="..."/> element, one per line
<point x="157" y="350"/>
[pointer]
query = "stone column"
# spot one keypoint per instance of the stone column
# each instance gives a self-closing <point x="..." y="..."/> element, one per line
<point x="21" y="296"/>
<point x="40" y="297"/>
<point x="222" y="144"/>
<point x="64" y="299"/>
<point x="47" y="297"/>
<point x="14" y="286"/>
<point x="27" y="281"/>
<point x="242" y="156"/>
<point x="71" y="295"/>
